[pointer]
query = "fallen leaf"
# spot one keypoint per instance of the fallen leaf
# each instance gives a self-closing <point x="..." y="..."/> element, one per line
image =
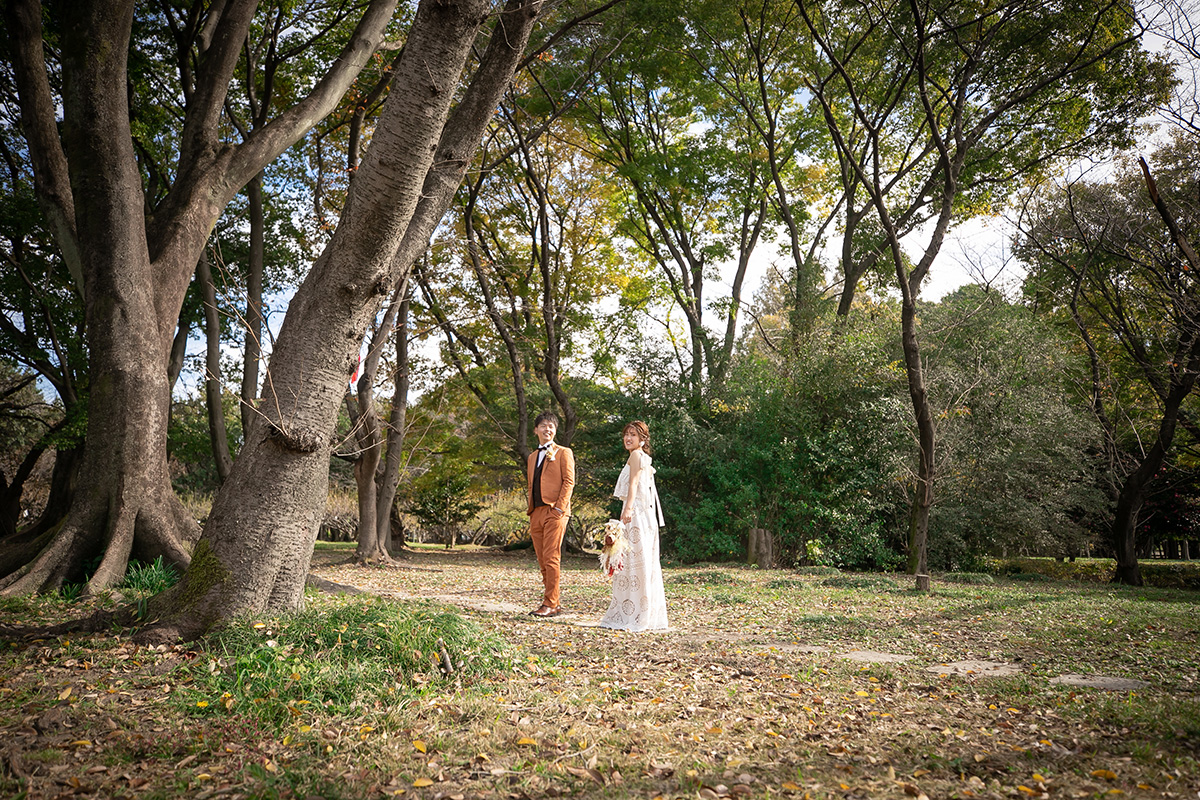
<point x="419" y="745"/>
<point x="420" y="782"/>
<point x="791" y="787"/>
<point x="582" y="772"/>
<point x="526" y="740"/>
<point x="1106" y="774"/>
<point x="65" y="693"/>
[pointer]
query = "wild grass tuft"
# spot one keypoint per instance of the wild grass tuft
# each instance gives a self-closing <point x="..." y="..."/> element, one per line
<point x="150" y="578"/>
<point x="347" y="657"/>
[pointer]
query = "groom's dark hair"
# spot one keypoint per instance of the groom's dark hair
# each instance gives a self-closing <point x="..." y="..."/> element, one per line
<point x="546" y="416"/>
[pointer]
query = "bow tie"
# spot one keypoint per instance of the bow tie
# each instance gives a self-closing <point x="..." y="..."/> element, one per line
<point x="543" y="447"/>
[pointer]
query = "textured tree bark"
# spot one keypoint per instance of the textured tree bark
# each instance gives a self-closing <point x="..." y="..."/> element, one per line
<point x="133" y="278"/>
<point x="256" y="547"/>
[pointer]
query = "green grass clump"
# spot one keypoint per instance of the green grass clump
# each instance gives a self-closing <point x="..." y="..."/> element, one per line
<point x="150" y="578"/>
<point x="706" y="578"/>
<point x="859" y="582"/>
<point x="337" y="659"/>
<point x="975" y="578"/>
<point x="1031" y="577"/>
<point x="818" y="571"/>
<point x="786" y="583"/>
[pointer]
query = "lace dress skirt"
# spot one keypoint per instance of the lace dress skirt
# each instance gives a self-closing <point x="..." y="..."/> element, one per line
<point x="639" y="602"/>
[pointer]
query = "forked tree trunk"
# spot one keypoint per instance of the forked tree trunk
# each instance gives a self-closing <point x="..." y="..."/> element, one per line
<point x="369" y="438"/>
<point x="389" y="478"/>
<point x="125" y="504"/>
<point x="258" y="541"/>
<point x="133" y="278"/>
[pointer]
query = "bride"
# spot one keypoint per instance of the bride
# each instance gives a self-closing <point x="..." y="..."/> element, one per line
<point x="638" y="600"/>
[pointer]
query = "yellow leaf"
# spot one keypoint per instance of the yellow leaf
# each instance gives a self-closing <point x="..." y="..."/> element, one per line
<point x="714" y="730"/>
<point x="81" y="743"/>
<point x="861" y="693"/>
<point x="204" y="776"/>
<point x="420" y="745"/>
<point x="1106" y="774"/>
<point x="270" y="766"/>
<point x="305" y="728"/>
<point x="258" y="626"/>
<point x="365" y="729"/>
<point x="295" y="676"/>
<point x="845" y="787"/>
<point x="65" y="693"/>
<point x="791" y="787"/>
<point x="419" y="782"/>
<point x="1145" y="786"/>
<point x="201" y="704"/>
<point x="1039" y="778"/>
<point x="526" y="740"/>
<point x="1027" y="790"/>
<point x="917" y="773"/>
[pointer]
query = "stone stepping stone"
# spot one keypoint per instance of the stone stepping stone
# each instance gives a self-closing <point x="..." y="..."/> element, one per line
<point x="1100" y="682"/>
<point x="798" y="648"/>
<point x="988" y="669"/>
<point x="872" y="657"/>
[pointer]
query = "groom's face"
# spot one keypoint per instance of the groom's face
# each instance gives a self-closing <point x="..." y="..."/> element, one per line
<point x="545" y="431"/>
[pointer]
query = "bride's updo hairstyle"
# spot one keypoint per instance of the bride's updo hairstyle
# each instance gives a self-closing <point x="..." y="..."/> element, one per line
<point x="643" y="432"/>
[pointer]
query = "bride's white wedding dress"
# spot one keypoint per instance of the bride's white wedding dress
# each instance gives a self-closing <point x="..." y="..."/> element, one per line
<point x="638" y="600"/>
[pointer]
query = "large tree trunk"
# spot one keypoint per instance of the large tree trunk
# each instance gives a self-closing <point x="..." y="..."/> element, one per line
<point x="134" y="278"/>
<point x="918" y="532"/>
<point x="259" y="537"/>
<point x="125" y="504"/>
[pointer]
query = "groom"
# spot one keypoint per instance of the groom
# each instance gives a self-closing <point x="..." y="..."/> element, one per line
<point x="551" y="473"/>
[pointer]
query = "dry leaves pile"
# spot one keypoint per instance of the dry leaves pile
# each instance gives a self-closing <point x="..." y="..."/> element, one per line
<point x="746" y="696"/>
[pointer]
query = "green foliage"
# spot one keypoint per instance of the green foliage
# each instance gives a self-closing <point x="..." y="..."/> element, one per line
<point x="346" y="657"/>
<point x="150" y="578"/>
<point x="1014" y="474"/>
<point x="807" y="447"/>
<point x="1167" y="575"/>
<point x="189" y="443"/>
<point x="441" y="499"/>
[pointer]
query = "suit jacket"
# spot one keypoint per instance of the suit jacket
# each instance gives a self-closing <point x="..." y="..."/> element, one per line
<point x="558" y="478"/>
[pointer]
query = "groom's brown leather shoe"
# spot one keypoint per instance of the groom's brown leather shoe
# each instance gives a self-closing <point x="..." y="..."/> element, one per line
<point x="540" y="611"/>
<point x="546" y="611"/>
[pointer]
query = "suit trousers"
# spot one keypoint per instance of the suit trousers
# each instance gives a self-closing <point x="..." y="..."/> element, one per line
<point x="546" y="528"/>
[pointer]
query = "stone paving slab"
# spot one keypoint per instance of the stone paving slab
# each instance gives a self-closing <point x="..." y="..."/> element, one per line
<point x="872" y="657"/>
<point x="988" y="669"/>
<point x="1100" y="682"/>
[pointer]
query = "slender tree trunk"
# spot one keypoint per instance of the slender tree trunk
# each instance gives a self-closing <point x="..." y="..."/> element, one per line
<point x="217" y="433"/>
<point x="918" y="532"/>
<point x="369" y="438"/>
<point x="252" y="348"/>
<point x="257" y="544"/>
<point x="389" y="478"/>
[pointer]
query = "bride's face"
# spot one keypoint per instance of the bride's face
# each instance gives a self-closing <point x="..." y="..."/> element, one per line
<point x="632" y="440"/>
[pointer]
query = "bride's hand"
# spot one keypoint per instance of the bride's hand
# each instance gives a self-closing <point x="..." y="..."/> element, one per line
<point x="627" y="517"/>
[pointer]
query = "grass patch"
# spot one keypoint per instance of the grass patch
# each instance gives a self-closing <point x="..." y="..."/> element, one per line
<point x="870" y="582"/>
<point x="818" y="571"/>
<point x="705" y="578"/>
<point x="786" y="584"/>
<point x="337" y="659"/>
<point x="150" y="578"/>
<point x="972" y="578"/>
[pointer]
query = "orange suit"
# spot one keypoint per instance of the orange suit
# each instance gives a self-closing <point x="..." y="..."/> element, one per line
<point x="548" y="522"/>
